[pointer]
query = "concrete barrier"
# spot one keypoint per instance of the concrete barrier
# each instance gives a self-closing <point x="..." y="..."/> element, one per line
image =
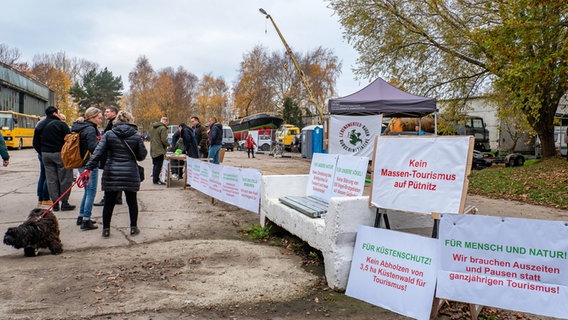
<point x="334" y="234"/>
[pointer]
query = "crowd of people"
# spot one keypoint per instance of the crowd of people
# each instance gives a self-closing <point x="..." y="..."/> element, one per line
<point x="116" y="151"/>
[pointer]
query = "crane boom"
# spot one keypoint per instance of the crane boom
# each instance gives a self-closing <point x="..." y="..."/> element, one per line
<point x="297" y="65"/>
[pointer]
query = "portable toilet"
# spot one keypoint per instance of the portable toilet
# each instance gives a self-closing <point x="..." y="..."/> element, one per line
<point x="307" y="138"/>
<point x="317" y="140"/>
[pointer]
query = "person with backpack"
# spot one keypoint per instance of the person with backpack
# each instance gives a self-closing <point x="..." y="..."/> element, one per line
<point x="52" y="137"/>
<point x="89" y="137"/>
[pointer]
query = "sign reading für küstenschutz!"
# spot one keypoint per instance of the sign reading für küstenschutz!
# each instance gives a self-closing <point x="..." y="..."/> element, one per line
<point x="394" y="270"/>
<point x="421" y="174"/>
<point x="509" y="263"/>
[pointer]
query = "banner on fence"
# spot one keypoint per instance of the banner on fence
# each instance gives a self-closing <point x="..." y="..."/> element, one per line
<point x="237" y="186"/>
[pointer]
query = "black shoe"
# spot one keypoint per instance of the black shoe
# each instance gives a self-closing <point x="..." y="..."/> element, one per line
<point x="67" y="207"/>
<point x="119" y="201"/>
<point x="56" y="207"/>
<point x="88" y="225"/>
<point x="159" y="183"/>
<point x="106" y="233"/>
<point x="100" y="203"/>
<point x="134" y="231"/>
<point x="80" y="220"/>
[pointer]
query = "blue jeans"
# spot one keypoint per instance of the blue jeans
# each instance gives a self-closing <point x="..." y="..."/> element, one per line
<point x="86" y="207"/>
<point x="214" y="153"/>
<point x="42" y="193"/>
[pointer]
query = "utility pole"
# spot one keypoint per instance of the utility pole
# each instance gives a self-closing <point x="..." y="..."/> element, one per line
<point x="297" y="65"/>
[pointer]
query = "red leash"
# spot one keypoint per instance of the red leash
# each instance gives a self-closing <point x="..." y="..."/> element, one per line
<point x="81" y="182"/>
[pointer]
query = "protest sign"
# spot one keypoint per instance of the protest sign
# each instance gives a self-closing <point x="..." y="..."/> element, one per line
<point x="509" y="263"/>
<point x="421" y="174"/>
<point x="394" y="270"/>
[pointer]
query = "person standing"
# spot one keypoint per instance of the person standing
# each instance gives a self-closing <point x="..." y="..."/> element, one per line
<point x="89" y="137"/>
<point x="42" y="192"/>
<point x="158" y="147"/>
<point x="215" y="139"/>
<point x="187" y="134"/>
<point x="201" y="136"/>
<point x="110" y="115"/>
<point x="59" y="178"/>
<point x="4" y="152"/>
<point x="123" y="146"/>
<point x="250" y="145"/>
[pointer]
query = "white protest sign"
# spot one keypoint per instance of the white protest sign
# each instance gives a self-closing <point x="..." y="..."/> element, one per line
<point x="354" y="135"/>
<point x="203" y="183"/>
<point x="320" y="180"/>
<point x="509" y="263"/>
<point x="215" y="183"/>
<point x="188" y="171"/>
<point x="394" y="270"/>
<point x="164" y="171"/>
<point x="231" y="182"/>
<point x="349" y="178"/>
<point x="195" y="173"/>
<point x="249" y="197"/>
<point x="421" y="174"/>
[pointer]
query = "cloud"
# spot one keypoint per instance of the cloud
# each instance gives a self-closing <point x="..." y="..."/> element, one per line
<point x="201" y="36"/>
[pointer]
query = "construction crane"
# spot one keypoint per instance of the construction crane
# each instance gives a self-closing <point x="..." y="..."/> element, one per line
<point x="297" y="65"/>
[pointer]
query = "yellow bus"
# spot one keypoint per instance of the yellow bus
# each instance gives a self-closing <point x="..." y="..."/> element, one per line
<point x="17" y="128"/>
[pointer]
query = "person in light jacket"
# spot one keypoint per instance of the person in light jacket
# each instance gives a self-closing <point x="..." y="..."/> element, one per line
<point x="124" y="146"/>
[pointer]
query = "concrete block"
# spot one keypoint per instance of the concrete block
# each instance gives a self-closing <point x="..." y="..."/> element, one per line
<point x="334" y="234"/>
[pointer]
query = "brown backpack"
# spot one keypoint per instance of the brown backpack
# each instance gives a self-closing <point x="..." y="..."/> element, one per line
<point x="71" y="151"/>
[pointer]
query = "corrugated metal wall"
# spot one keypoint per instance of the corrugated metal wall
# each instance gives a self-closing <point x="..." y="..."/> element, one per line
<point x="22" y="94"/>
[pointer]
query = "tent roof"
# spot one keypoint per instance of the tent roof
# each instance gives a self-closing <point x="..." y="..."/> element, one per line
<point x="381" y="97"/>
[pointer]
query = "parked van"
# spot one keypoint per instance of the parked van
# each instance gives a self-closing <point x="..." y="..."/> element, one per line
<point x="228" y="141"/>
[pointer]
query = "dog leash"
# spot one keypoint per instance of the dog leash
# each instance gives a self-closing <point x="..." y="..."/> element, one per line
<point x="81" y="182"/>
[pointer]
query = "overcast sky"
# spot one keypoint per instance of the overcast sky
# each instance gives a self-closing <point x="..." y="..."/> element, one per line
<point x="201" y="36"/>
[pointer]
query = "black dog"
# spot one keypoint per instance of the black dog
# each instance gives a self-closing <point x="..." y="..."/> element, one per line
<point x="34" y="234"/>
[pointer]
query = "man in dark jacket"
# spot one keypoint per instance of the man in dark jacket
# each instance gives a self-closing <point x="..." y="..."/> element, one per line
<point x="42" y="192"/>
<point x="200" y="136"/>
<point x="158" y="147"/>
<point x="189" y="141"/>
<point x="52" y="136"/>
<point x="215" y="139"/>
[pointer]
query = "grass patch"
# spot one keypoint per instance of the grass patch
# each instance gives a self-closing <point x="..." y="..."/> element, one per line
<point x="537" y="182"/>
<point x="256" y="231"/>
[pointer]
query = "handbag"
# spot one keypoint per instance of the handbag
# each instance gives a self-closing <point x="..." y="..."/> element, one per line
<point x="140" y="168"/>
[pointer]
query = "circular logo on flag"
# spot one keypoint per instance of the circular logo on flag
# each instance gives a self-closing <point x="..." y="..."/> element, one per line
<point x="354" y="136"/>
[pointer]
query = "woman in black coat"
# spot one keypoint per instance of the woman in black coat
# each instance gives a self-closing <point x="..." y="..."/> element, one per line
<point x="123" y="146"/>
